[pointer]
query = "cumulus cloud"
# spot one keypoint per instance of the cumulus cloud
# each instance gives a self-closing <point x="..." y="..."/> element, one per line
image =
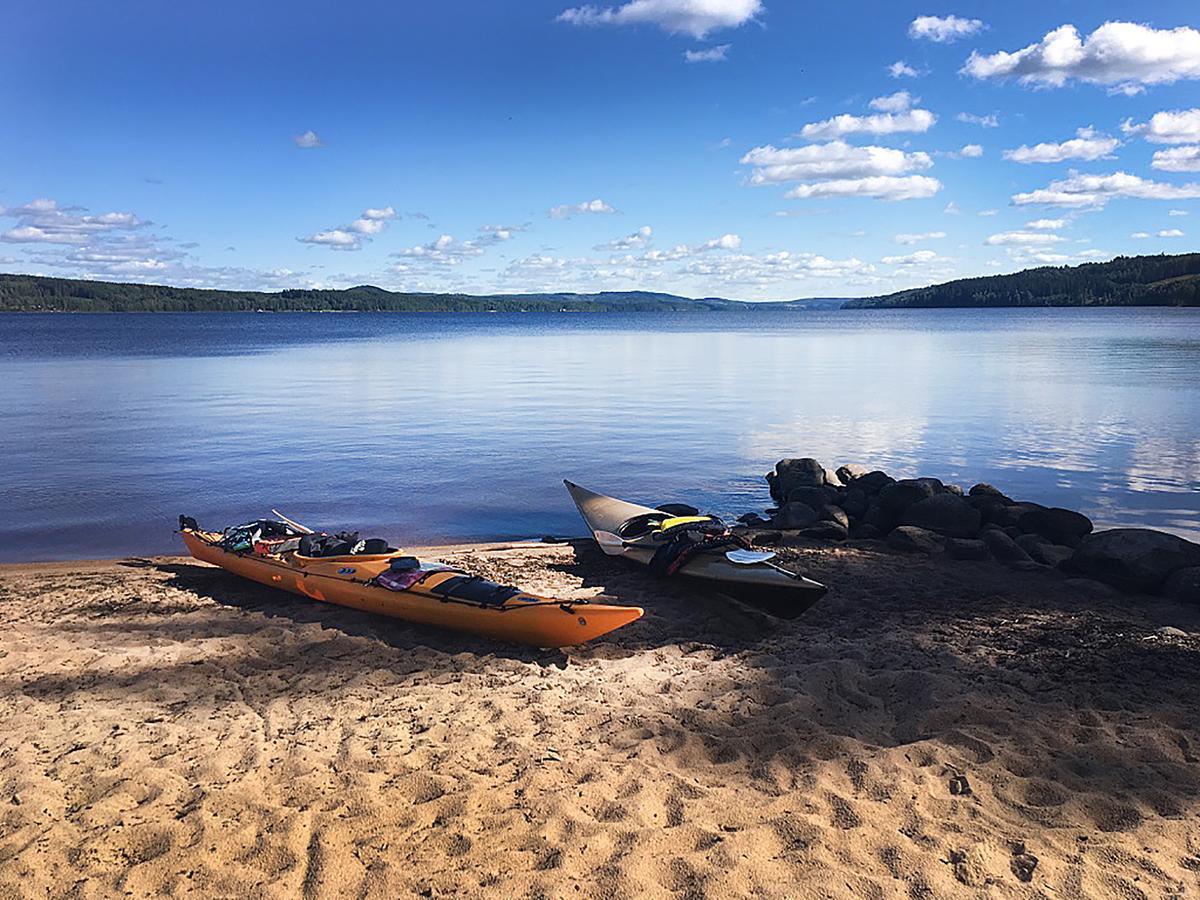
<point x="1009" y="238"/>
<point x="370" y="222"/>
<point x="307" y="141"/>
<point x="908" y="259"/>
<point x="566" y="210"/>
<point x="897" y="102"/>
<point x="971" y="151"/>
<point x="724" y="242"/>
<point x="1170" y="233"/>
<point x="1140" y="235"/>
<point x="901" y="69"/>
<point x="1177" y="159"/>
<point x="1177" y="212"/>
<point x="443" y="251"/>
<point x="878" y="187"/>
<point x="500" y="233"/>
<point x="834" y="160"/>
<point x="1046" y="224"/>
<point x="1088" y="144"/>
<point x="913" y="120"/>
<point x="942" y="29"/>
<point x="751" y="269"/>
<point x="709" y="54"/>
<point x="918" y="237"/>
<point x="1096" y="190"/>
<point x="1123" y="55"/>
<point x="43" y="221"/>
<point x="696" y="18"/>
<point x="989" y="121"/>
<point x="636" y="241"/>
<point x="1180" y="126"/>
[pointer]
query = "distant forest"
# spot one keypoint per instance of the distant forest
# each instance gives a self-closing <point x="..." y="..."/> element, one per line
<point x="1125" y="281"/>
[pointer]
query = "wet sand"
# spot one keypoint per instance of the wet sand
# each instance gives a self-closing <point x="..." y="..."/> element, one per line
<point x="930" y="729"/>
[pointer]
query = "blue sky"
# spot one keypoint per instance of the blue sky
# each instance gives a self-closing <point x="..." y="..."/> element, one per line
<point x="753" y="149"/>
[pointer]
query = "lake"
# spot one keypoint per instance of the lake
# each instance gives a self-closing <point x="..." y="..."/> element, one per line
<point x="432" y="427"/>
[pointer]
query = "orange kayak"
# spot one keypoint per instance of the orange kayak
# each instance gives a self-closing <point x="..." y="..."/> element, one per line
<point x="521" y="617"/>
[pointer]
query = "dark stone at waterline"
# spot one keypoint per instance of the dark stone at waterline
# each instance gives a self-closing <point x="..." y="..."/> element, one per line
<point x="866" y="532"/>
<point x="793" y="473"/>
<point x="1003" y="547"/>
<point x="794" y="515"/>
<point x="816" y="497"/>
<point x="1134" y="559"/>
<point x="911" y="539"/>
<point x="1009" y="516"/>
<point x="947" y="514"/>
<point x="830" y="513"/>
<point x="1059" y="526"/>
<point x="986" y="490"/>
<point x="851" y="471"/>
<point x="766" y="538"/>
<point x="1184" y="585"/>
<point x="953" y="489"/>
<point x="854" y="502"/>
<point x="1043" y="550"/>
<point x="826" y="530"/>
<point x="896" y="498"/>
<point x="752" y="519"/>
<point x="967" y="548"/>
<point x="872" y="482"/>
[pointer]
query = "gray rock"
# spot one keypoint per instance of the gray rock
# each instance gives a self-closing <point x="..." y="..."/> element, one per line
<point x="766" y="538"/>
<point x="1044" y="551"/>
<point x="1090" y="587"/>
<point x="678" y="509"/>
<point x="816" y="497"/>
<point x="1171" y="632"/>
<point x="991" y="508"/>
<point x="1003" y="547"/>
<point x="854" y="502"/>
<point x="1134" y="559"/>
<point x="947" y="514"/>
<point x="911" y="539"/>
<point x="830" y="513"/>
<point x="850" y="471"/>
<point x="934" y="483"/>
<point x="872" y="482"/>
<point x="793" y="473"/>
<point x="1059" y="526"/>
<point x="752" y="519"/>
<point x="986" y="490"/>
<point x="967" y="548"/>
<point x="864" y="531"/>
<point x="826" y="530"/>
<point x="896" y="498"/>
<point x="1184" y="584"/>
<point x="1009" y="516"/>
<point x="953" y="489"/>
<point x="794" y="515"/>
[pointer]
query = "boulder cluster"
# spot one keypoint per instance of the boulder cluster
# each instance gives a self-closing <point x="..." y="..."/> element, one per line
<point x="925" y="515"/>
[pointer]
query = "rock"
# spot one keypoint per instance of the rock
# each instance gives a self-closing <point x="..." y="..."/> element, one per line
<point x="1171" y="632"/>
<point x="854" y="502"/>
<point x="1089" y="587"/>
<point x="850" y="471"/>
<point x="872" y="482"/>
<point x="826" y="530"/>
<point x="947" y="514"/>
<point x="1044" y="551"/>
<point x="1184" y="585"/>
<point x="1134" y="559"/>
<point x="990" y="507"/>
<point x="1003" y="547"/>
<point x="953" y="489"/>
<point x="830" y="513"/>
<point x="766" y="538"/>
<point x="1010" y="516"/>
<point x="1059" y="526"/>
<point x="551" y="539"/>
<point x="865" y="532"/>
<point x="816" y="497"/>
<point x="897" y="497"/>
<point x="752" y="519"/>
<point x="678" y="509"/>
<point x="986" y="490"/>
<point x="911" y="539"/>
<point x="967" y="548"/>
<point x="934" y="483"/>
<point x="794" y="473"/>
<point x="794" y="515"/>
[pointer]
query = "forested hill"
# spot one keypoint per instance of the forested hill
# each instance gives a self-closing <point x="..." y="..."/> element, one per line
<point x="1125" y="281"/>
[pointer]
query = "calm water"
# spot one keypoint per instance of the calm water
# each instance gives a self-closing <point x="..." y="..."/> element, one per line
<point x="435" y="427"/>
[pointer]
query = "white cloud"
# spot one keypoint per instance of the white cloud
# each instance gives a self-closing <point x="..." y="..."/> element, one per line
<point x="709" y="54"/>
<point x="692" y="17"/>
<point x="566" y="210"/>
<point x="372" y="221"/>
<point x="919" y="256"/>
<point x="951" y="209"/>
<point x="1047" y="224"/>
<point x="971" y="151"/>
<point x="1177" y="212"/>
<point x="443" y="251"/>
<point x="988" y="212"/>
<point x="724" y="242"/>
<point x="1170" y="233"/>
<point x="1178" y="159"/>
<point x="1179" y="126"/>
<point x="916" y="120"/>
<point x="1009" y="238"/>
<point x="1088" y="144"/>
<point x="918" y="238"/>
<point x="43" y="221"/>
<point x="989" y="121"/>
<point x="878" y="187"/>
<point x="1096" y="190"/>
<point x="636" y="241"/>
<point x="834" y="160"/>
<point x="943" y="29"/>
<point x="749" y="269"/>
<point x="901" y="69"/>
<point x="894" y="103"/>
<point x="307" y="141"/>
<point x="1125" y="55"/>
<point x="500" y="233"/>
<point x="1140" y="235"/>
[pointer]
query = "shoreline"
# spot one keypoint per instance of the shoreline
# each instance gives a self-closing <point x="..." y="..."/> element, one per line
<point x="931" y="726"/>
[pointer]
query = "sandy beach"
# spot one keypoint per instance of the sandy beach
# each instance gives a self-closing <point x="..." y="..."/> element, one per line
<point x="930" y="729"/>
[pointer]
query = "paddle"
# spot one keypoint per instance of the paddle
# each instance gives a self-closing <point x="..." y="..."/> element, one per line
<point x="610" y="543"/>
<point x="301" y="528"/>
<point x="755" y="557"/>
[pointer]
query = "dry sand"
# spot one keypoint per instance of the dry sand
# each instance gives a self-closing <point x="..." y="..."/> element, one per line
<point x="930" y="729"/>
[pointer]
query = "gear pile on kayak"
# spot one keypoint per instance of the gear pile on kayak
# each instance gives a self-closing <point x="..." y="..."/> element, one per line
<point x="372" y="576"/>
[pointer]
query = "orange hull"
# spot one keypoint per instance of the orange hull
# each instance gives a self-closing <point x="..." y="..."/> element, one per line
<point x="523" y="619"/>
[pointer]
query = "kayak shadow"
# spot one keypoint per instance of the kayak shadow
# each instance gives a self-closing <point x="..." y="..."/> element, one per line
<point x="232" y="591"/>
